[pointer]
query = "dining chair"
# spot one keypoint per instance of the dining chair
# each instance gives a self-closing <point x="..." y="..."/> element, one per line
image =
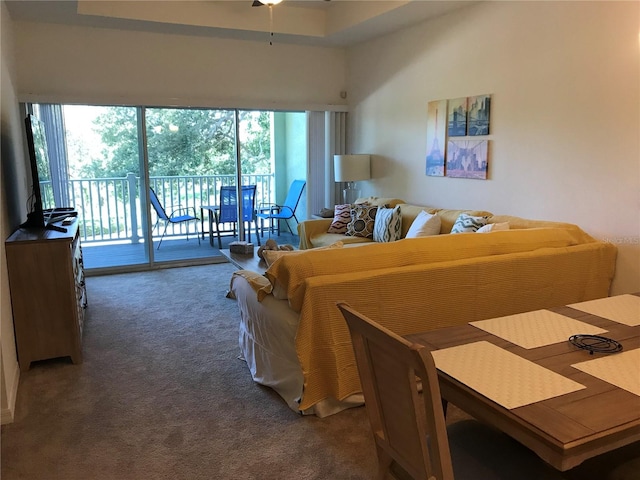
<point x="227" y="212"/>
<point x="402" y="399"/>
<point x="286" y="211"/>
<point x="173" y="218"/>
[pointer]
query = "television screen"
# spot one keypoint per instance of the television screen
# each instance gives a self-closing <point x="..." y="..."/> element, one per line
<point x="39" y="160"/>
<point x="41" y="189"/>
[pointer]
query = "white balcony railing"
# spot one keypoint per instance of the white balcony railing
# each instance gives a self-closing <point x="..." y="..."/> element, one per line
<point x="109" y="209"/>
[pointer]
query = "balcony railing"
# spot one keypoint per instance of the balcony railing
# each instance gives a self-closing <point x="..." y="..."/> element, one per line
<point x="109" y="209"/>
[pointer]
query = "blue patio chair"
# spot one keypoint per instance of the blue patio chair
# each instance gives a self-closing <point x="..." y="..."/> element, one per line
<point x="174" y="218"/>
<point x="227" y="212"/>
<point x="285" y="211"/>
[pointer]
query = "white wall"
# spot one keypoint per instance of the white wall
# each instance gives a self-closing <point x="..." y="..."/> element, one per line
<point x="563" y="77"/>
<point x="565" y="123"/>
<point x="93" y="65"/>
<point x="11" y="151"/>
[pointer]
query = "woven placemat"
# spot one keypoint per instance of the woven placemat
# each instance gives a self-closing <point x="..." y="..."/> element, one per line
<point x="623" y="309"/>
<point x="620" y="369"/>
<point x="536" y="329"/>
<point x="502" y="376"/>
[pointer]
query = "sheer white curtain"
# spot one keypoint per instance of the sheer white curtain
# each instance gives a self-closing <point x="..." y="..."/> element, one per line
<point x="327" y="132"/>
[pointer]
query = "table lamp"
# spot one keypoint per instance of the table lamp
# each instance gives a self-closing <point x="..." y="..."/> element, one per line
<point x="350" y="169"/>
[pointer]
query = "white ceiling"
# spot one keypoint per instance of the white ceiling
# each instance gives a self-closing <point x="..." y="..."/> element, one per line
<point x="310" y="22"/>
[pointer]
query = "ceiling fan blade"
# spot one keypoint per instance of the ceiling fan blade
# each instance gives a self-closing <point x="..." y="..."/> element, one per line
<point x="257" y="3"/>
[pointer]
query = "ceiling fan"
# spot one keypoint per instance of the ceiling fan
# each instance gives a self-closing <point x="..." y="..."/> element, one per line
<point x="258" y="3"/>
<point x="270" y="4"/>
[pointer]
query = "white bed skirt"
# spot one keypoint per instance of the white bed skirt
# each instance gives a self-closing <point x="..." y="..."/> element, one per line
<point x="267" y="343"/>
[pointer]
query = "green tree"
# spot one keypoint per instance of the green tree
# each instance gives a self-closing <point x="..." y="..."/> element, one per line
<point x="255" y="150"/>
<point x="180" y="142"/>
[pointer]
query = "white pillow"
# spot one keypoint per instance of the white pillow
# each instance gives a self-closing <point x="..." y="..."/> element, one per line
<point x="424" y="225"/>
<point x="493" y="227"/>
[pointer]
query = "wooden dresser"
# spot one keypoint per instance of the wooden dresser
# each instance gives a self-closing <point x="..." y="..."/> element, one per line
<point x="48" y="294"/>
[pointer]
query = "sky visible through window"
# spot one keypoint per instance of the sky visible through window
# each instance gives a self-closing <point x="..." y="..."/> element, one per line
<point x="83" y="142"/>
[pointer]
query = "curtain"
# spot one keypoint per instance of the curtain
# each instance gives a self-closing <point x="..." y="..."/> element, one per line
<point x="336" y="145"/>
<point x="316" y="177"/>
<point x="53" y="119"/>
<point x="327" y="132"/>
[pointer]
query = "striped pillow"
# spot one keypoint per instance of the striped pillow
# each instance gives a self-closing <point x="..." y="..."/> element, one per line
<point x="388" y="225"/>
<point x="467" y="223"/>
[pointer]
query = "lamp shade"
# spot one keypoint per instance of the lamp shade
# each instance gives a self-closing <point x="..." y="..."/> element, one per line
<point x="351" y="168"/>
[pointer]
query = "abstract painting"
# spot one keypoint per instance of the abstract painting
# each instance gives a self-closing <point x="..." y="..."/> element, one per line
<point x="436" y="137"/>
<point x="467" y="158"/>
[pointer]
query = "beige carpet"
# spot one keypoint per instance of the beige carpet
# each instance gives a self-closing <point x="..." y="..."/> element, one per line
<point x="162" y="395"/>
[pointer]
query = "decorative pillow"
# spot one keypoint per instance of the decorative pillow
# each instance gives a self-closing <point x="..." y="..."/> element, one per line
<point x="363" y="219"/>
<point x="341" y="217"/>
<point x="493" y="227"/>
<point x="424" y="225"/>
<point x="387" y="225"/>
<point x="468" y="224"/>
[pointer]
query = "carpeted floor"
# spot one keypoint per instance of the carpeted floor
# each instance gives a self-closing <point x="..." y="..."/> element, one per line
<point x="162" y="395"/>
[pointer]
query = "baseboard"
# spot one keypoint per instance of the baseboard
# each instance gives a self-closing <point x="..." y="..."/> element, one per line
<point x="7" y="414"/>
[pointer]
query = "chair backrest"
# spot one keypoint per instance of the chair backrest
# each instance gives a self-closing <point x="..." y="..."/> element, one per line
<point x="157" y="206"/>
<point x="293" y="195"/>
<point x="229" y="203"/>
<point x="408" y="426"/>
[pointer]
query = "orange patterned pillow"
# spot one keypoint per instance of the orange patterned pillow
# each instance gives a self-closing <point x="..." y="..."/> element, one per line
<point x="341" y="218"/>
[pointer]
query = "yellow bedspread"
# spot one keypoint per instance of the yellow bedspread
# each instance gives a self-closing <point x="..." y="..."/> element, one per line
<point x="413" y="298"/>
<point x="292" y="271"/>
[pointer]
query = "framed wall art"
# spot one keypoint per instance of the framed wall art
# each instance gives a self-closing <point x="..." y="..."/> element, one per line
<point x="453" y="125"/>
<point x="467" y="158"/>
<point x="479" y="110"/>
<point x="436" y="137"/>
<point x="457" y="118"/>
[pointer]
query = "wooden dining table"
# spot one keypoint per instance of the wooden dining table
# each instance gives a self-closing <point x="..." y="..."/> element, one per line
<point x="566" y="429"/>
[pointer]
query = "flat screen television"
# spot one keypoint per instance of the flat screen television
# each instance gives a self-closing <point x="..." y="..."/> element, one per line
<point x="38" y="217"/>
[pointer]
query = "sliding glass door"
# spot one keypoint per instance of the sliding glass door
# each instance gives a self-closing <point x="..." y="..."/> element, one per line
<point x="192" y="154"/>
<point x="105" y="175"/>
<point x="147" y="181"/>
